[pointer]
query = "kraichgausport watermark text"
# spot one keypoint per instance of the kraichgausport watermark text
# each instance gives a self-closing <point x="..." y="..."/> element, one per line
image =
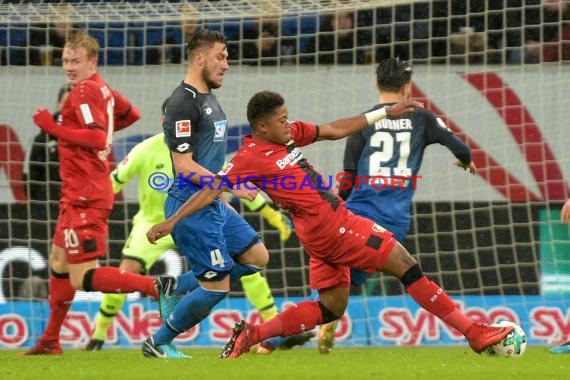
<point x="161" y="181"/>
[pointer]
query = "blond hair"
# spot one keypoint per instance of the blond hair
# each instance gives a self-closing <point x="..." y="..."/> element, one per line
<point x="81" y="39"/>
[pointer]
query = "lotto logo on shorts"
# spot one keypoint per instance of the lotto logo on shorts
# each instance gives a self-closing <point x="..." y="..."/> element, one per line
<point x="183" y="128"/>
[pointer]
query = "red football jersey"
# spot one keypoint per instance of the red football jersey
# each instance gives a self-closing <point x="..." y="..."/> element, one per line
<point x="85" y="171"/>
<point x="290" y="181"/>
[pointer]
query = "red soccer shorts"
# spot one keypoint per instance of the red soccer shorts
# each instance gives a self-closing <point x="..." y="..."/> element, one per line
<point x="81" y="232"/>
<point x="359" y="244"/>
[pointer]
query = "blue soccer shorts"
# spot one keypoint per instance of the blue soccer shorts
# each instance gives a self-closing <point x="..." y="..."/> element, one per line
<point x="211" y="238"/>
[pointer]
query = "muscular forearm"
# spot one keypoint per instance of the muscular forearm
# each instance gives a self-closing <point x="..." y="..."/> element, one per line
<point x="341" y="128"/>
<point x="344" y="127"/>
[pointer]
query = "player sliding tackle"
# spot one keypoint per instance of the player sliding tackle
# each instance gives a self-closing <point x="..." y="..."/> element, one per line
<point x="335" y="238"/>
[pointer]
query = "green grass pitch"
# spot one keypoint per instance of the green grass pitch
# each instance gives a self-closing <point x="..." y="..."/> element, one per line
<point x="418" y="363"/>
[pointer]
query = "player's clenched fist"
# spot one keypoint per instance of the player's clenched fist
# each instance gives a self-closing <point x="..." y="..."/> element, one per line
<point x="248" y="191"/>
<point x="159" y="230"/>
<point x="44" y="119"/>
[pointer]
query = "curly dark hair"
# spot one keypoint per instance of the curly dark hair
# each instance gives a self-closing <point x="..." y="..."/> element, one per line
<point x="263" y="104"/>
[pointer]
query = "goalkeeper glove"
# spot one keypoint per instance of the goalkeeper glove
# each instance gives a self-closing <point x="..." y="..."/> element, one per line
<point x="278" y="220"/>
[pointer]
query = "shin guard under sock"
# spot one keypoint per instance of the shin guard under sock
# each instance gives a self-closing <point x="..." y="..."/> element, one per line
<point x="295" y="319"/>
<point x="61" y="294"/>
<point x="434" y="299"/>
<point x="257" y="291"/>
<point x="115" y="280"/>
<point x="191" y="309"/>
<point x="110" y="306"/>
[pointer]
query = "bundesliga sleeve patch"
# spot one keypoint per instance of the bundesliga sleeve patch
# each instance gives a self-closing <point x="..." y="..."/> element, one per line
<point x="183" y="128"/>
<point x="226" y="169"/>
<point x="86" y="113"/>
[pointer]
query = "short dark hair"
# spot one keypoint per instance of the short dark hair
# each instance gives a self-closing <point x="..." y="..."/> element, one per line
<point x="63" y="90"/>
<point x="392" y="74"/>
<point x="204" y="37"/>
<point x="263" y="104"/>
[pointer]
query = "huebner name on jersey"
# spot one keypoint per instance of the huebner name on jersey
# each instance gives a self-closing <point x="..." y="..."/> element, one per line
<point x="395" y="125"/>
<point x="290" y="159"/>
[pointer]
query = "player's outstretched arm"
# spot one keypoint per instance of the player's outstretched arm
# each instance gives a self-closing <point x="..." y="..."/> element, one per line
<point x="338" y="129"/>
<point x="185" y="165"/>
<point x="459" y="149"/>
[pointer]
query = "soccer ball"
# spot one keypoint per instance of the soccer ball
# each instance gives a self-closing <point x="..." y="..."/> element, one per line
<point x="512" y="346"/>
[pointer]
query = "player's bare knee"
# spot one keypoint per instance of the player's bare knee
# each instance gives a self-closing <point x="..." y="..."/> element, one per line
<point x="58" y="265"/>
<point x="408" y="260"/>
<point x="261" y="256"/>
<point x="329" y="315"/>
<point x="335" y="300"/>
<point x="78" y="281"/>
<point x="257" y="255"/>
<point x="133" y="266"/>
<point x="57" y="260"/>
<point x="399" y="261"/>
<point x="260" y="260"/>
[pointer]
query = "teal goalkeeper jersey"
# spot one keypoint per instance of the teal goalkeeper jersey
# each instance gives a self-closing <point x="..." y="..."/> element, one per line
<point x="150" y="162"/>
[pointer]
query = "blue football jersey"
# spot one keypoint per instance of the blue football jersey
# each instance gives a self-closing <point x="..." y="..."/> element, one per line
<point x="195" y="123"/>
<point x="391" y="151"/>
